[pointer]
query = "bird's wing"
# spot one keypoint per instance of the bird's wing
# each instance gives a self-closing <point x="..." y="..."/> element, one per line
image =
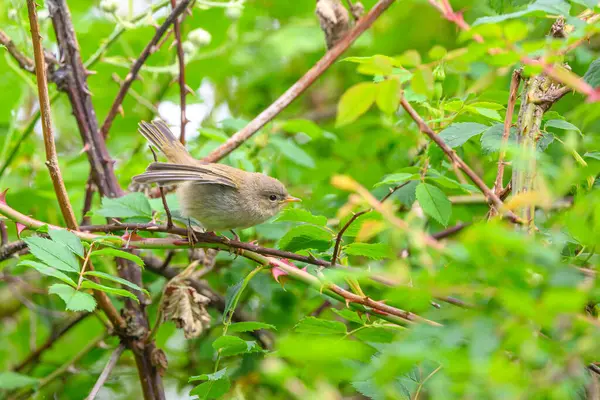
<point x="168" y="174"/>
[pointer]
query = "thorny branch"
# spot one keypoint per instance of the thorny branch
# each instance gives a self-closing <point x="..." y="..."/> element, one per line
<point x="183" y="90"/>
<point x="137" y="65"/>
<point x="112" y="362"/>
<point x="300" y="86"/>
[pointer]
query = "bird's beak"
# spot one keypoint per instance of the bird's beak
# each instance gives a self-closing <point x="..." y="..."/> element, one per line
<point x="291" y="199"/>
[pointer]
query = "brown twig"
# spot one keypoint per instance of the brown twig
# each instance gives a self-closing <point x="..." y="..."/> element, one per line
<point x="137" y="66"/>
<point x="114" y="358"/>
<point x="42" y="84"/>
<point x="300" y="86"/>
<point x="450" y="231"/>
<point x="182" y="86"/>
<point x="423" y="127"/>
<point x="24" y="62"/>
<point x="510" y="109"/>
<point x="87" y="201"/>
<point x="3" y="234"/>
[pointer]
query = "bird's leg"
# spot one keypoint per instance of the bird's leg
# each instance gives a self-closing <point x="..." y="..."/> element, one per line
<point x="192" y="239"/>
<point x="238" y="252"/>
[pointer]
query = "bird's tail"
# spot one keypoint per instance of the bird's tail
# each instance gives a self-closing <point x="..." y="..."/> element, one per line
<point x="159" y="134"/>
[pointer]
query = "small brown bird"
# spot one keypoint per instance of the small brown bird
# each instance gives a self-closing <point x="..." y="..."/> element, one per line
<point x="220" y="197"/>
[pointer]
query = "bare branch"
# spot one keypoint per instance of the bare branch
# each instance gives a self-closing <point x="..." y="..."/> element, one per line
<point x="300" y="86"/>
<point x="137" y="65"/>
<point x="510" y="108"/>
<point x="181" y="61"/>
<point x="24" y="62"/>
<point x="42" y="84"/>
<point x="114" y="358"/>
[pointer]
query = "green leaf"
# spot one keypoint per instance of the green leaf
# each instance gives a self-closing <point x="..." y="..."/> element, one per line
<point x="74" y="300"/>
<point x="562" y="124"/>
<point x="375" y="334"/>
<point x="52" y="253"/>
<point x="209" y="377"/>
<point x="87" y="284"/>
<point x="422" y="81"/>
<point x="488" y="113"/>
<point x="592" y="75"/>
<point x="212" y="389"/>
<point x="397" y="179"/>
<point x="109" y="277"/>
<point x="434" y="203"/>
<point x="131" y="205"/>
<point x="213" y="134"/>
<point x="376" y="251"/>
<point x="457" y="134"/>
<point x="48" y="271"/>
<point x="594" y="154"/>
<point x="293" y="152"/>
<point x="302" y="126"/>
<point x="249" y="326"/>
<point x="491" y="140"/>
<point x="388" y="96"/>
<point x="350" y="315"/>
<point x="230" y="294"/>
<point x="233" y="345"/>
<point x="109" y="251"/>
<point x="68" y="239"/>
<point x="410" y="58"/>
<point x="318" y="326"/>
<point x="12" y="380"/>
<point x="539" y="8"/>
<point x="306" y="237"/>
<point x="300" y="215"/>
<point x="355" y="102"/>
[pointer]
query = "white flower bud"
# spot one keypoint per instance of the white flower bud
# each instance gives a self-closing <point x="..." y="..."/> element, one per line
<point x="109" y="6"/>
<point x="189" y="48"/>
<point x="199" y="37"/>
<point x="234" y="12"/>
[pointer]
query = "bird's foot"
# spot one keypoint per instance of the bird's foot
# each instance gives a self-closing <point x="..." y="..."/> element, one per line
<point x="191" y="234"/>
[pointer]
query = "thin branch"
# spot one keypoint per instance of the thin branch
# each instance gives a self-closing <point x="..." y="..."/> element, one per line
<point x="42" y="84"/>
<point x="182" y="86"/>
<point x="87" y="201"/>
<point x="3" y="234"/>
<point x="490" y="195"/>
<point x="162" y="195"/>
<point x="300" y="86"/>
<point x="450" y="231"/>
<point x="114" y="358"/>
<point x="54" y="337"/>
<point x="24" y="62"/>
<point x="137" y="65"/>
<point x="510" y="109"/>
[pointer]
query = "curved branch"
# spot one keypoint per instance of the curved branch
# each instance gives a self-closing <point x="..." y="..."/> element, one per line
<point x="300" y="86"/>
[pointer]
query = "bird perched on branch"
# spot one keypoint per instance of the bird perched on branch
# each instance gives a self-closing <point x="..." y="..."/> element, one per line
<point x="220" y="197"/>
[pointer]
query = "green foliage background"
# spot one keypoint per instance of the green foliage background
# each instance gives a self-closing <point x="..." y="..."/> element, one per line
<point x="534" y="326"/>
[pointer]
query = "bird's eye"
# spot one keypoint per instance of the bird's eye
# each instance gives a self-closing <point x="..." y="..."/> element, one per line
<point x="272" y="197"/>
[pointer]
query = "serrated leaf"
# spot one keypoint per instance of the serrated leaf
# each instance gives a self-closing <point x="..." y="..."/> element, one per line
<point x="293" y="152"/>
<point x="213" y="134"/>
<point x="446" y="182"/>
<point x="74" y="300"/>
<point x="406" y="194"/>
<point x="109" y="277"/>
<point x="561" y="124"/>
<point x="422" y="81"/>
<point x="388" y="96"/>
<point x="457" y="134"/>
<point x="592" y="75"/>
<point x="302" y="126"/>
<point x="306" y="237"/>
<point x="87" y="284"/>
<point x="131" y="205"/>
<point x="233" y="345"/>
<point x="434" y="203"/>
<point x="249" y="326"/>
<point x="48" y="271"/>
<point x="349" y="315"/>
<point x="68" y="239"/>
<point x="397" y="179"/>
<point x="538" y="8"/>
<point x="376" y="251"/>
<point x="319" y="326"/>
<point x="300" y="215"/>
<point x="12" y="380"/>
<point x="212" y="389"/>
<point x="375" y="334"/>
<point x="355" y="102"/>
<point x="109" y="251"/>
<point x="53" y="254"/>
<point x="488" y="113"/>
